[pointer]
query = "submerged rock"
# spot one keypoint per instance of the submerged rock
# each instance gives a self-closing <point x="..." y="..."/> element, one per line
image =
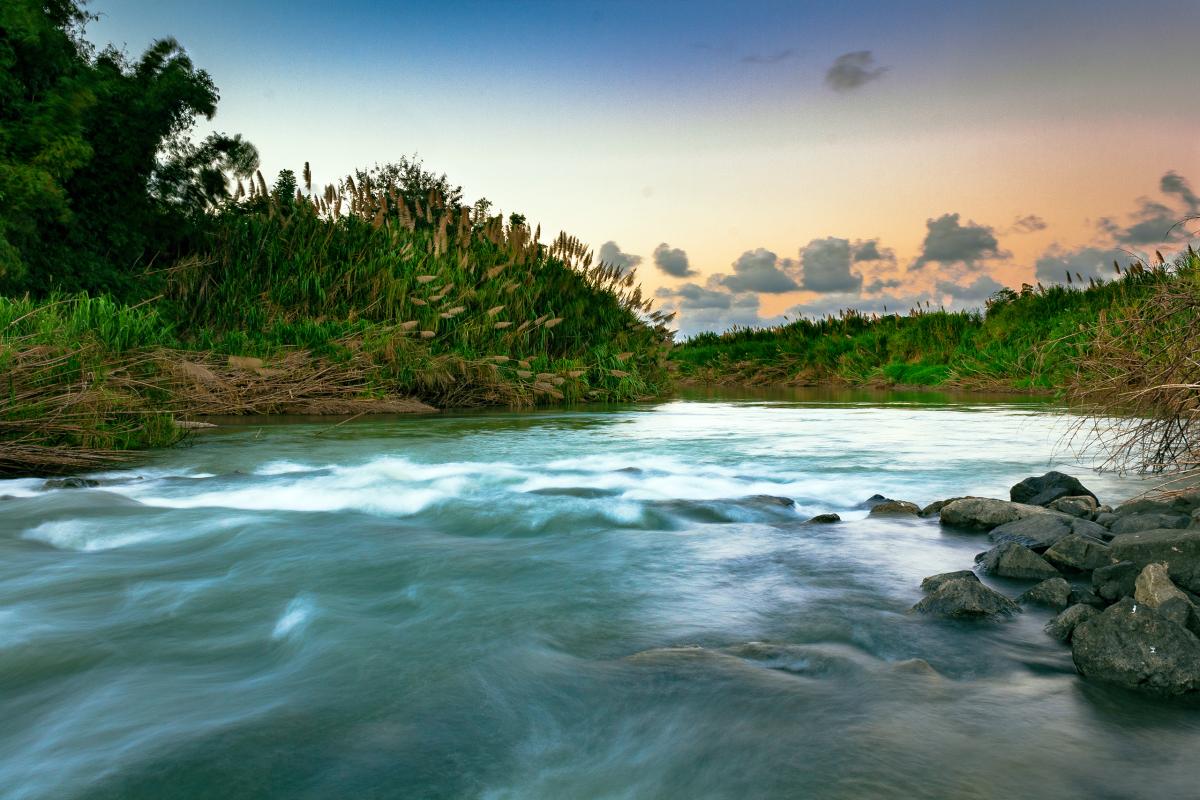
<point x="824" y="519"/>
<point x="1053" y="592"/>
<point x="984" y="514"/>
<point x="1132" y="645"/>
<point x="1079" y="553"/>
<point x="769" y="500"/>
<point x="1153" y="588"/>
<point x="966" y="598"/>
<point x="1062" y="626"/>
<point x="895" y="508"/>
<point x="934" y="582"/>
<point x="875" y="500"/>
<point x="1045" y="489"/>
<point x="1178" y="549"/>
<point x="70" y="483"/>
<point x="1115" y="581"/>
<point x="1011" y="560"/>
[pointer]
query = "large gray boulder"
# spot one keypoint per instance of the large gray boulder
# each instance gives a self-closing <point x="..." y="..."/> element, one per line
<point x="1011" y="560"/>
<point x="1085" y="527"/>
<point x="1130" y="644"/>
<point x="1053" y="592"/>
<point x="1178" y="549"/>
<point x="1079" y="553"/>
<point x="1154" y="588"/>
<point x="1045" y="489"/>
<point x="936" y="506"/>
<point x="1062" y="626"/>
<point x="1037" y="532"/>
<point x="983" y="514"/>
<point x="1149" y="521"/>
<point x="1115" y="581"/>
<point x="964" y="598"/>
<point x="934" y="582"/>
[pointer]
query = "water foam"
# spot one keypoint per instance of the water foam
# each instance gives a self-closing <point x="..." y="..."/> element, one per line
<point x="294" y="618"/>
<point x="85" y="537"/>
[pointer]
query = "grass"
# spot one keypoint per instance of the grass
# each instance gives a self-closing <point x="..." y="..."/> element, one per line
<point x="1030" y="340"/>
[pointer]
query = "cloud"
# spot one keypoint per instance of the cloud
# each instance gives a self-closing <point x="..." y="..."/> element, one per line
<point x="1030" y="223"/>
<point x="1086" y="262"/>
<point x="879" y="284"/>
<point x="610" y="253"/>
<point x="869" y="250"/>
<point x="1174" y="183"/>
<point x="760" y="271"/>
<point x="672" y="261"/>
<point x="947" y="241"/>
<point x="825" y="266"/>
<point x="769" y="58"/>
<point x="981" y="288"/>
<point x="853" y="70"/>
<point x="691" y="296"/>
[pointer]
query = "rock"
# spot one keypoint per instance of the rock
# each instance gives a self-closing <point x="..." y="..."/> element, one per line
<point x="1149" y="521"/>
<point x="1037" y="532"/>
<point x="825" y="519"/>
<point x="1105" y="518"/>
<point x="1085" y="527"/>
<point x="1043" y="490"/>
<point x="1085" y="596"/>
<point x="1115" y="581"/>
<point x="1153" y="588"/>
<point x="937" y="505"/>
<point x="770" y="500"/>
<point x="982" y="513"/>
<point x="894" y="508"/>
<point x="1011" y="560"/>
<point x="965" y="598"/>
<point x="934" y="582"/>
<point x="1065" y="623"/>
<point x="1196" y="518"/>
<point x="1104" y="508"/>
<point x="1178" y="549"/>
<point x="875" y="500"/>
<point x="1183" y="504"/>
<point x="1132" y="645"/>
<point x="1053" y="592"/>
<point x="70" y="483"/>
<point x="1083" y="506"/>
<point x="1080" y="553"/>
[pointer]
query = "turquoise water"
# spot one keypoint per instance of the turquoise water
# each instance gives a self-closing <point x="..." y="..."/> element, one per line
<point x="568" y="604"/>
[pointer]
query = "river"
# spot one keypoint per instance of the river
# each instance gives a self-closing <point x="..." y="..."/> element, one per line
<point x="562" y="604"/>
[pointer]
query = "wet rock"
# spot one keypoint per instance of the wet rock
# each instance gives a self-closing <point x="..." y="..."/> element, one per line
<point x="1153" y="588"/>
<point x="1083" y="595"/>
<point x="934" y="582"/>
<point x="965" y="598"/>
<point x="1085" y="527"/>
<point x="1037" y="532"/>
<point x="894" y="508"/>
<point x="1149" y="521"/>
<point x="70" y="483"/>
<point x="1053" y="592"/>
<point x="915" y="666"/>
<point x="1114" y="581"/>
<point x="1079" y="553"/>
<point x="1183" y="504"/>
<point x="1178" y="549"/>
<point x="936" y="506"/>
<point x="875" y="500"/>
<point x="1132" y="645"/>
<point x="983" y="514"/>
<point x="1104" y="508"/>
<point x="1045" y="489"/>
<point x="1062" y="626"/>
<point x="1105" y="518"/>
<point x="1083" y="506"/>
<point x="824" y="519"/>
<point x="770" y="500"/>
<point x="1011" y="560"/>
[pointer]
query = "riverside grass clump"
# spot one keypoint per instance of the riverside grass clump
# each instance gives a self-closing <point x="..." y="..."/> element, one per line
<point x="1036" y="339"/>
<point x="364" y="299"/>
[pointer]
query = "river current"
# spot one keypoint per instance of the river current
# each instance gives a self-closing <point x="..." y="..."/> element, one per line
<point x="598" y="603"/>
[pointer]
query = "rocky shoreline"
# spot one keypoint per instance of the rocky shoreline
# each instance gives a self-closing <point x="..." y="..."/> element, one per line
<point x="1125" y="580"/>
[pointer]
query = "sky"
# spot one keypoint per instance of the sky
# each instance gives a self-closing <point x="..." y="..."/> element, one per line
<point x="754" y="161"/>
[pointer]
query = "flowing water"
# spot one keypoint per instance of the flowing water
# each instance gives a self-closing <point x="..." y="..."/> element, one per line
<point x="568" y="604"/>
